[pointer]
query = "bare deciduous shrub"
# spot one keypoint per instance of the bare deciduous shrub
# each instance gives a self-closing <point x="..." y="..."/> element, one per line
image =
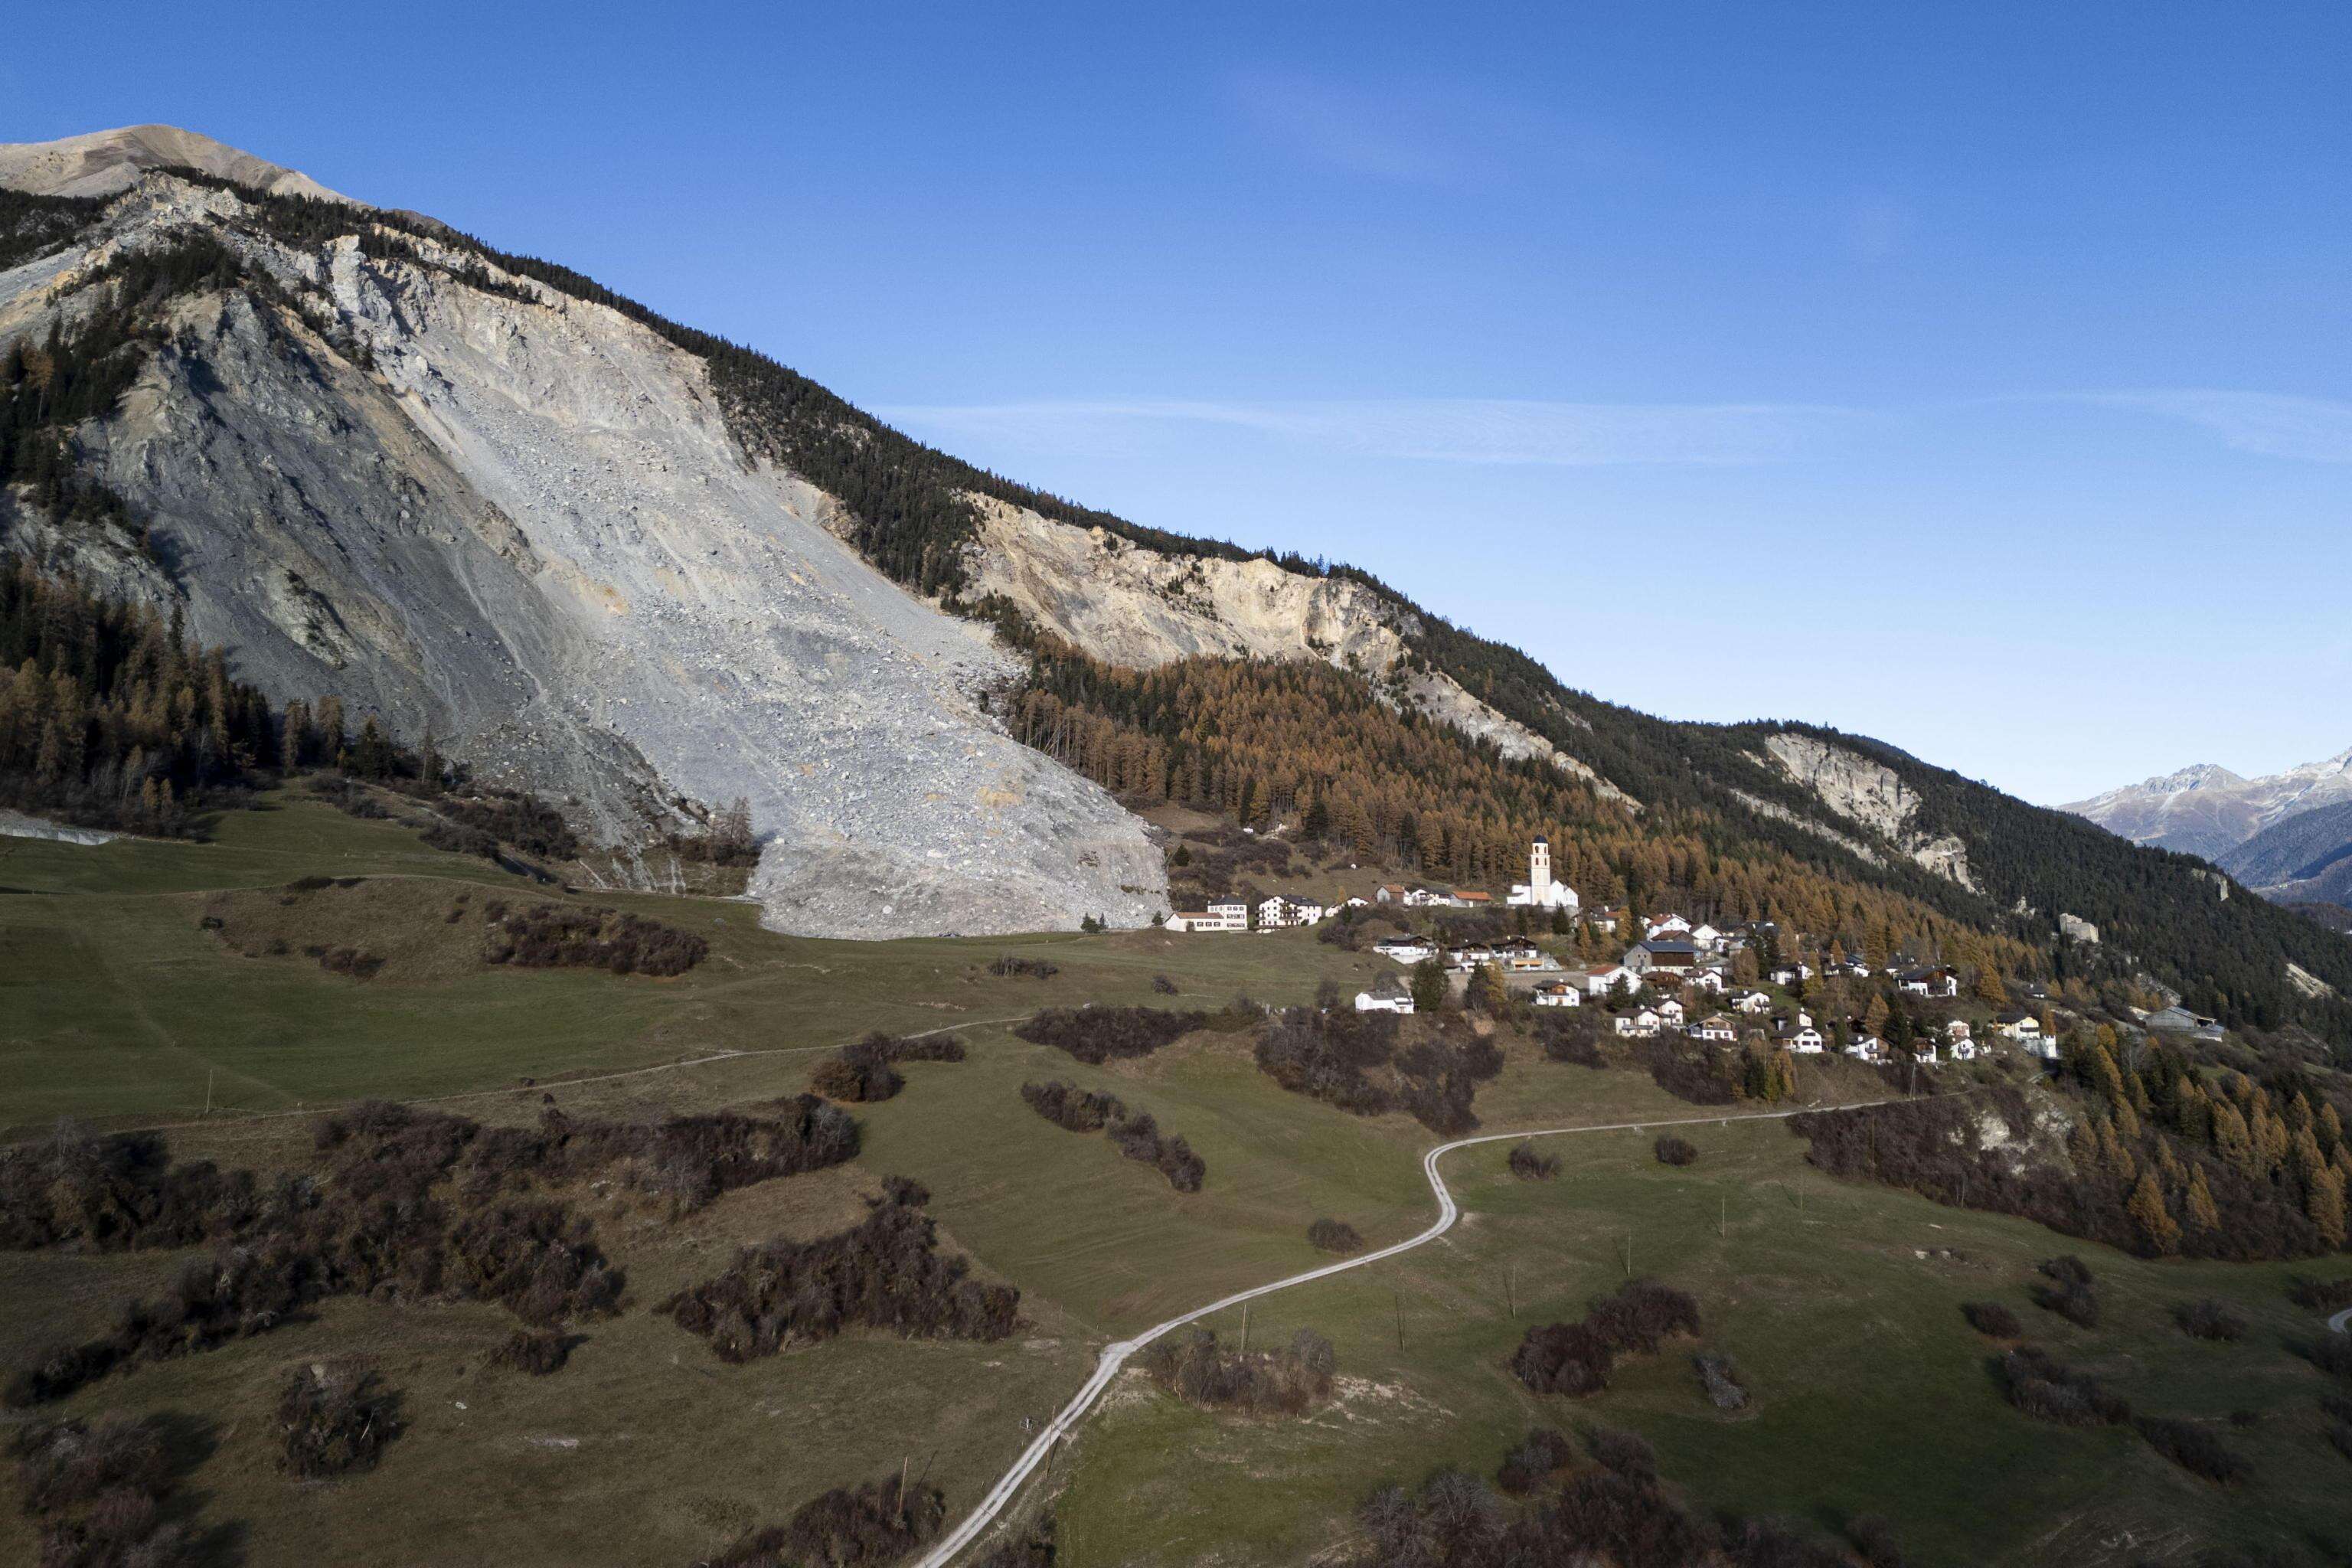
<point x="2209" y="1319"/>
<point x="116" y="1192"/>
<point x="94" y="1495"/>
<point x="535" y="1351"/>
<point x="1009" y="967"/>
<point x="1719" y="1380"/>
<point x="1195" y="1370"/>
<point x="1992" y="1319"/>
<point x="1326" y="1056"/>
<point x="2048" y="1390"/>
<point x="1334" y="1236"/>
<point x="885" y="1272"/>
<point x="1096" y="1035"/>
<point x="1455" y="1520"/>
<point x="1627" y="1453"/>
<point x="1690" y="1076"/>
<point x="843" y="1529"/>
<point x="1539" y="1456"/>
<point x="1136" y="1135"/>
<point x="1072" y="1109"/>
<point x="333" y="1417"/>
<point x="351" y="961"/>
<point x="1531" y="1166"/>
<point x="2069" y="1292"/>
<point x="551" y="936"/>
<point x="1570" y="1034"/>
<point x="1675" y="1151"/>
<point x="1575" y="1359"/>
<point x="2194" y="1449"/>
<point x="1032" y="1548"/>
<point x="1163" y="985"/>
<point x="2322" y="1295"/>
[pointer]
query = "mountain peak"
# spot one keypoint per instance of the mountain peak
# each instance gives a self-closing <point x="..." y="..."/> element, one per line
<point x="2197" y="776"/>
<point x="102" y="162"/>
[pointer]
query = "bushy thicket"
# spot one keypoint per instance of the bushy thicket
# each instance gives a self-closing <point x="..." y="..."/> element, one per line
<point x="535" y="1351"/>
<point x="334" y="1417"/>
<point x="1575" y="1359"/>
<point x="2067" y="1291"/>
<point x="1534" y="1460"/>
<point x="1607" y="1514"/>
<point x="1096" y="1035"/>
<point x="2049" y="1390"/>
<point x="94" y="1495"/>
<point x="2194" y="1449"/>
<point x="1008" y="966"/>
<point x="845" y="1527"/>
<point x="1194" y="1369"/>
<point x="1629" y="1454"/>
<point x="1992" y="1319"/>
<point x="512" y="817"/>
<point x="1529" y="1164"/>
<point x="1695" y="1077"/>
<point x="885" y="1272"/>
<point x="2210" y="1319"/>
<point x="2167" y="1156"/>
<point x="410" y="1203"/>
<point x="1334" y="1236"/>
<point x="2329" y="1296"/>
<point x="565" y="936"/>
<point x="1352" y="1061"/>
<point x="1672" y="1151"/>
<point x="864" y="1070"/>
<point x="1138" y="1136"/>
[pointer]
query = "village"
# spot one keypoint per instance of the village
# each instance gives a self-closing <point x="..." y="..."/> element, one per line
<point x="1737" y="984"/>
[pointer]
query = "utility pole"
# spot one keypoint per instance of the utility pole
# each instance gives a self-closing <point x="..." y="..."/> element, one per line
<point x="1399" y="1317"/>
<point x="1511" y="1289"/>
<point x="1245" y="1328"/>
<point x="1629" y="1255"/>
<point x="903" y="1515"/>
<point x="208" y="1090"/>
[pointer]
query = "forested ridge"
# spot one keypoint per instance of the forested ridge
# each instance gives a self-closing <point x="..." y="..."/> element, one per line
<point x="913" y="519"/>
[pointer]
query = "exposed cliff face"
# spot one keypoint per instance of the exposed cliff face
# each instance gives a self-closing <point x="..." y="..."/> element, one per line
<point x="1127" y="604"/>
<point x="1870" y="794"/>
<point x="520" y="518"/>
<point x="106" y="161"/>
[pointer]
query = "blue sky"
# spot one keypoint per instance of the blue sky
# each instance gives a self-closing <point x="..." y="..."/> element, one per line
<point x="1973" y="377"/>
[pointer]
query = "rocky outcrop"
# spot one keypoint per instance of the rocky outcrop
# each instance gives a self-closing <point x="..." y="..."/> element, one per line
<point x="1869" y="794"/>
<point x="104" y="163"/>
<point x="1127" y="604"/>
<point x="463" y="502"/>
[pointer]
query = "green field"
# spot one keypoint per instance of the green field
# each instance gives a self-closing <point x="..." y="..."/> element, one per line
<point x="1871" y="1393"/>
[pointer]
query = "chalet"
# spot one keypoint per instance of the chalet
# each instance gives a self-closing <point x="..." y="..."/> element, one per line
<point x="1641" y="1023"/>
<point x="1389" y="893"/>
<point x="1470" y="957"/>
<point x="1470" y="899"/>
<point x="1668" y="953"/>
<point x="1405" y="948"/>
<point x="1939" y="983"/>
<point x="1533" y="960"/>
<point x="1720" y="1027"/>
<point x="1707" y="937"/>
<point x="1963" y="1049"/>
<point x="1279" y="911"/>
<point x="1352" y="901"/>
<point x="1386" y="994"/>
<point x="1670" y="1013"/>
<point x="1924" y="1052"/>
<point x="1710" y="981"/>
<point x="1958" y="1029"/>
<point x="1866" y="1048"/>
<point x="1802" y="1039"/>
<point x="2021" y="1026"/>
<point x="1790" y="973"/>
<point x="1607" y="920"/>
<point x="1666" y="925"/>
<point x="1557" y="994"/>
<point x="1751" y="1002"/>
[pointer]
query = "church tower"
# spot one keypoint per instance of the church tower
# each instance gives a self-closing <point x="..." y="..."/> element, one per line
<point x="1540" y="873"/>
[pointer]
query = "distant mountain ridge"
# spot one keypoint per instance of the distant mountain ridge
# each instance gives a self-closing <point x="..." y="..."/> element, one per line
<point x="2304" y="860"/>
<point x="2206" y="810"/>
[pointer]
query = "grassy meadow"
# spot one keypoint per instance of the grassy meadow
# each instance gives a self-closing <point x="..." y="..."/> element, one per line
<point x="119" y="1005"/>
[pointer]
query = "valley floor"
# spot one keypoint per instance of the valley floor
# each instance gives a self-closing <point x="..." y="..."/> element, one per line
<point x="1839" y="1302"/>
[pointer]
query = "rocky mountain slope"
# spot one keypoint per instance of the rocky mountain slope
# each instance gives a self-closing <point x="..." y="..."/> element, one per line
<point x="2207" y="809"/>
<point x="467" y="501"/>
<point x="107" y="163"/>
<point x="2305" y="858"/>
<point x="630" y="565"/>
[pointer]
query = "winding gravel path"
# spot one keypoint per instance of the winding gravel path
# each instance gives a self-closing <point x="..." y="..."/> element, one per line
<point x="1115" y="1355"/>
<point x="2342" y="1321"/>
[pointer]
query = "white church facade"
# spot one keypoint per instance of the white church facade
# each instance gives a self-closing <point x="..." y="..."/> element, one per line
<point x="1539" y="891"/>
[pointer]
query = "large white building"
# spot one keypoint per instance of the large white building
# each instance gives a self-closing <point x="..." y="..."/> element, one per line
<point x="1539" y="891"/>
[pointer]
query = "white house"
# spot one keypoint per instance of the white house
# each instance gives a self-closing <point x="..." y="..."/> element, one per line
<point x="1710" y="981"/>
<point x="1939" y="983"/>
<point x="1958" y="1029"/>
<point x="1557" y="994"/>
<point x="1389" y="894"/>
<point x="1720" y="1027"/>
<point x="1751" y="1002"/>
<point x="2023" y="1028"/>
<point x="1923" y="1053"/>
<point x="1223" y="915"/>
<point x="1386" y="994"/>
<point x="1666" y="925"/>
<point x="1602" y="982"/>
<point x="1539" y="891"/>
<point x="1279" y="911"/>
<point x="1670" y="1013"/>
<point x="1790" y="973"/>
<point x="1867" y="1047"/>
<point x="1804" y="1040"/>
<point x="1641" y="1023"/>
<point x="1705" y="936"/>
<point x="1964" y="1050"/>
<point x="1405" y="948"/>
<point x="1352" y="901"/>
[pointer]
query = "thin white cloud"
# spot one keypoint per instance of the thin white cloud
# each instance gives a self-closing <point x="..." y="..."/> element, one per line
<point x="1409" y="133"/>
<point x="2274" y="424"/>
<point x="1445" y="430"/>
